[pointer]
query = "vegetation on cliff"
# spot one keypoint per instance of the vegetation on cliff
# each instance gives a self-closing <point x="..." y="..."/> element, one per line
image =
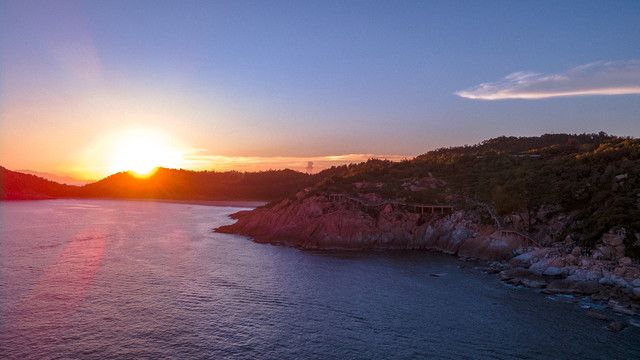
<point x="593" y="177"/>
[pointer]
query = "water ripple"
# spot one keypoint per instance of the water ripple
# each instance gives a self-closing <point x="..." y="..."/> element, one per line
<point x="149" y="280"/>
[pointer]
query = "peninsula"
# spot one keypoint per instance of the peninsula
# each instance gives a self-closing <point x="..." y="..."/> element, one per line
<point x="556" y="212"/>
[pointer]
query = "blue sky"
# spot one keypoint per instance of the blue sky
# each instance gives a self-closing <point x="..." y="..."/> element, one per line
<point x="277" y="81"/>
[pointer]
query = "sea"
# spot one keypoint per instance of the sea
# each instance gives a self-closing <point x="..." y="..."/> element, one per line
<point x="115" y="279"/>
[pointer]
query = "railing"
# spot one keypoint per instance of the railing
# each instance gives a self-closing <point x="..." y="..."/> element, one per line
<point x="415" y="206"/>
<point x="501" y="226"/>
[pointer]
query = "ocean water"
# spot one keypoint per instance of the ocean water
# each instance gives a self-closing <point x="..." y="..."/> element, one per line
<point x="97" y="279"/>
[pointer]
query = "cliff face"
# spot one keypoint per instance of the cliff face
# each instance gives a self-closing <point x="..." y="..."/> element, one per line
<point x="561" y="267"/>
<point x="315" y="222"/>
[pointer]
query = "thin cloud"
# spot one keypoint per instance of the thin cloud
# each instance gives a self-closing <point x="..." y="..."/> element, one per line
<point x="598" y="78"/>
<point x="201" y="161"/>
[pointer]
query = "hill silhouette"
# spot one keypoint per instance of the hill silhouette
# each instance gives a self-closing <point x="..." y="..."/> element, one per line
<point x="201" y="185"/>
<point x="163" y="184"/>
<point x="19" y="186"/>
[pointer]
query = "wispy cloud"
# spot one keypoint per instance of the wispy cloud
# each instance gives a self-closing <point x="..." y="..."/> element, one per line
<point x="598" y="78"/>
<point x="200" y="161"/>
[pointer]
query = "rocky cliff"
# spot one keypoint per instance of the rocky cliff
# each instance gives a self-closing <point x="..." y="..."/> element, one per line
<point x="316" y="222"/>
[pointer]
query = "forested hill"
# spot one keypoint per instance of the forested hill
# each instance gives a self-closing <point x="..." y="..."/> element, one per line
<point x="19" y="186"/>
<point x="594" y="177"/>
<point x="202" y="185"/>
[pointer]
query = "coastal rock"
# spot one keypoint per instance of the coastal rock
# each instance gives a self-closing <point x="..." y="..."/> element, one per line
<point x="527" y="259"/>
<point x="489" y="248"/>
<point x="523" y="260"/>
<point x="598" y="316"/>
<point x="577" y="251"/>
<point x="622" y="310"/>
<point x="616" y="326"/>
<point x="571" y="287"/>
<point x="553" y="271"/>
<point x="625" y="261"/>
<point x="604" y="252"/>
<point x="619" y="271"/>
<point x="605" y="281"/>
<point x="612" y="239"/>
<point x="592" y="276"/>
<point x="316" y="222"/>
<point x="620" y="282"/>
<point x="572" y="260"/>
<point x="521" y="276"/>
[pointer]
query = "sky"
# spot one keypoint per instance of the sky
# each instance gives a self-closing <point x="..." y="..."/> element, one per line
<point x="88" y="88"/>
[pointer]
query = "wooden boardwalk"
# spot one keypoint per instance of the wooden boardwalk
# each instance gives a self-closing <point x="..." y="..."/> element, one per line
<point x="430" y="208"/>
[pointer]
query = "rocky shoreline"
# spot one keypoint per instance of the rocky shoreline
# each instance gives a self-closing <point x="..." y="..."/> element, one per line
<point x="315" y="222"/>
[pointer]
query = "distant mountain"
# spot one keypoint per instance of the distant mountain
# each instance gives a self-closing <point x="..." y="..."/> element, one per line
<point x="202" y="185"/>
<point x="18" y="186"/>
<point x="57" y="178"/>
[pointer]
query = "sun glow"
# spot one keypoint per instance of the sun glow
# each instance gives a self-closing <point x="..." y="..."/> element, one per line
<point x="141" y="152"/>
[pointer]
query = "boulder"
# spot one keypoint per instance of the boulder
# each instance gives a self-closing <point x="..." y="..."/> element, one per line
<point x="616" y="326"/>
<point x="636" y="292"/>
<point x="604" y="252"/>
<point x="598" y="316"/>
<point x="543" y="264"/>
<point x="558" y="262"/>
<point x="622" y="310"/>
<point x="613" y="239"/>
<point x="533" y="284"/>
<point x="636" y="283"/>
<point x="577" y="251"/>
<point x="572" y="260"/>
<point x="553" y="271"/>
<point x="565" y="286"/>
<point x="592" y="276"/>
<point x="605" y="281"/>
<point x="625" y="261"/>
<point x="619" y="271"/>
<point x="521" y="276"/>
<point x="618" y="281"/>
<point x="525" y="260"/>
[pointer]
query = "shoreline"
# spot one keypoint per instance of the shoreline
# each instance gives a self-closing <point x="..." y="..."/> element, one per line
<point x="560" y="268"/>
<point x="615" y="316"/>
<point x="217" y="203"/>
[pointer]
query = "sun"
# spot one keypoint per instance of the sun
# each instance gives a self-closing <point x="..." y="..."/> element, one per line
<point x="141" y="152"/>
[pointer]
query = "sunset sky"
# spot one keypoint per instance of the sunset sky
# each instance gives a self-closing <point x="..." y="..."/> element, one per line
<point x="88" y="88"/>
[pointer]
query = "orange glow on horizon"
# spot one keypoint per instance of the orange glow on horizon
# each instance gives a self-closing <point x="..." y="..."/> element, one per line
<point x="139" y="150"/>
<point x="143" y="172"/>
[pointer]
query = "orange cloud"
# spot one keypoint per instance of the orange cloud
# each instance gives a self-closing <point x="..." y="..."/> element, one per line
<point x="200" y="161"/>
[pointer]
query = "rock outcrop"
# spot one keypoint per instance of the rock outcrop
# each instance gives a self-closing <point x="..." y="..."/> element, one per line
<point x="315" y="222"/>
